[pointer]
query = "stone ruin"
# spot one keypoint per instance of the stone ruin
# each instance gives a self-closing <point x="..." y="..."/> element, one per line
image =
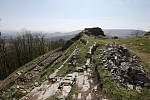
<point x="96" y="31"/>
<point x="124" y="66"/>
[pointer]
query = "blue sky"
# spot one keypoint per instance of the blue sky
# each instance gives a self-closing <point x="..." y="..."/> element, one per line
<point x="68" y="15"/>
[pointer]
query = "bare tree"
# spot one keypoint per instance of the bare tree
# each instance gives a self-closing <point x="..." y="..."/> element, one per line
<point x="15" y="52"/>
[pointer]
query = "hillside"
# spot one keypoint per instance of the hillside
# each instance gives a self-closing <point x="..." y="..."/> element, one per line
<point x="82" y="71"/>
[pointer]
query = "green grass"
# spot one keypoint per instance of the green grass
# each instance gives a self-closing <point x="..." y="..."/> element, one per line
<point x="65" y="70"/>
<point x="59" y="62"/>
<point x="16" y="94"/>
<point x="82" y="50"/>
<point x="82" y="53"/>
<point x="140" y="43"/>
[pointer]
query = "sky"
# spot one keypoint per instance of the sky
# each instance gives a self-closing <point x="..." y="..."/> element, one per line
<point x="69" y="15"/>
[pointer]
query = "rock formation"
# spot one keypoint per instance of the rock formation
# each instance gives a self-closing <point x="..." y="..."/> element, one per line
<point x="96" y="31"/>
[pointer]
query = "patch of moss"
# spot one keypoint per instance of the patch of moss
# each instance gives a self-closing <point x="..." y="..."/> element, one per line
<point x="17" y="94"/>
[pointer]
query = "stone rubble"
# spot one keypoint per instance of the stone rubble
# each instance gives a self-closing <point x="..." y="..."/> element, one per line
<point x="124" y="66"/>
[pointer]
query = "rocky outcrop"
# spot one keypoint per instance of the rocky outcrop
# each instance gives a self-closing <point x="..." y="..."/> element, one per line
<point x="124" y="66"/>
<point x="96" y="31"/>
<point x="147" y="34"/>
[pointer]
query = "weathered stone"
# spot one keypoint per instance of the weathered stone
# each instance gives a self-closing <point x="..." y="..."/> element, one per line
<point x="124" y="66"/>
<point x="138" y="88"/>
<point x="17" y="86"/>
<point x="36" y="84"/>
<point x="130" y="86"/>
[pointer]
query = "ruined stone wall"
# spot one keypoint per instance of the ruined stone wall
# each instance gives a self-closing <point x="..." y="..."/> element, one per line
<point x="125" y="67"/>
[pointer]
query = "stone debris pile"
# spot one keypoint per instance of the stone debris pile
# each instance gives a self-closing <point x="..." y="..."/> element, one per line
<point x="124" y="66"/>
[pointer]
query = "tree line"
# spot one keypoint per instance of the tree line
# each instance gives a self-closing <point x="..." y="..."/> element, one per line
<point x="15" y="52"/>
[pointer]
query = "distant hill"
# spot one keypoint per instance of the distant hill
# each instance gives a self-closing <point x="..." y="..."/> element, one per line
<point x="69" y="35"/>
<point x="48" y="35"/>
<point x="107" y="32"/>
<point x="123" y="32"/>
<point x="61" y="35"/>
